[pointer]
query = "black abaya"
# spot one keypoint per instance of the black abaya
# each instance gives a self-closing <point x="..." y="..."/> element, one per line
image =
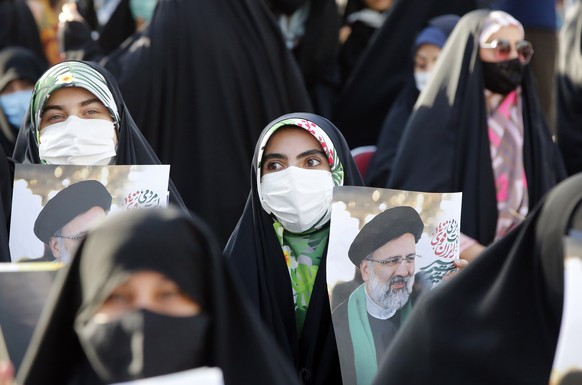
<point x="445" y="146"/>
<point x="201" y="81"/>
<point x="256" y="254"/>
<point x="18" y="27"/>
<point x="383" y="68"/>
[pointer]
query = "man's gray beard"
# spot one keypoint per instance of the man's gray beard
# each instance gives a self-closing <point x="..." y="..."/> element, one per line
<point x="65" y="257"/>
<point x="383" y="296"/>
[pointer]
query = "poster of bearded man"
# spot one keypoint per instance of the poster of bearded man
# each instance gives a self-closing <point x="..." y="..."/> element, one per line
<point x="386" y="248"/>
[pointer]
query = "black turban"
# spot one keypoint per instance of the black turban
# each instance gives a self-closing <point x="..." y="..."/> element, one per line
<point x="67" y="204"/>
<point x="384" y="227"/>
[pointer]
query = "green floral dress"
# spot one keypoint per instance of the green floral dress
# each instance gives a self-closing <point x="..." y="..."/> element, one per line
<point x="303" y="253"/>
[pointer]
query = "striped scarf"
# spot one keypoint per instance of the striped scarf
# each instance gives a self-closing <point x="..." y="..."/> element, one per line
<point x="70" y="74"/>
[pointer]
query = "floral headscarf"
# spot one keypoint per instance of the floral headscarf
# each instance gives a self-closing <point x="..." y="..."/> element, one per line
<point x="70" y="74"/>
<point x="337" y="170"/>
<point x="303" y="252"/>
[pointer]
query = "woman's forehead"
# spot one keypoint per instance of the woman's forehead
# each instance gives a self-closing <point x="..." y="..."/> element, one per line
<point x="70" y="95"/>
<point x="290" y="139"/>
<point x="510" y="32"/>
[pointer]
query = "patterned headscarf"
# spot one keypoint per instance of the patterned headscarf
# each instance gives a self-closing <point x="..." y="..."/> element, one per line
<point x="303" y="252"/>
<point x="495" y="21"/>
<point x="70" y="74"/>
<point x="337" y="170"/>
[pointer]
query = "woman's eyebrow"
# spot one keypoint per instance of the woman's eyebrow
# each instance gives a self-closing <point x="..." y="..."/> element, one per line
<point x="274" y="155"/>
<point x="311" y="152"/>
<point x="59" y="107"/>
<point x="51" y="107"/>
<point x="89" y="101"/>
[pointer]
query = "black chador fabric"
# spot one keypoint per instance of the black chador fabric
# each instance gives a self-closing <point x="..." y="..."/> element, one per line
<point x="132" y="147"/>
<point x="16" y="63"/>
<point x="445" y="145"/>
<point x="389" y="137"/>
<point x="257" y="256"/>
<point x="317" y="50"/>
<point x="382" y="69"/>
<point x="135" y="242"/>
<point x="18" y="27"/>
<point x="201" y="81"/>
<point x="569" y="91"/>
<point x="119" y="27"/>
<point x="390" y="134"/>
<point x="360" y="36"/>
<point x="498" y="321"/>
<point x="6" y="176"/>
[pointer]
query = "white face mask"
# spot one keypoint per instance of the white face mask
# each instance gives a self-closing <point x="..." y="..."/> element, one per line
<point x="300" y="199"/>
<point x="421" y="79"/>
<point x="78" y="141"/>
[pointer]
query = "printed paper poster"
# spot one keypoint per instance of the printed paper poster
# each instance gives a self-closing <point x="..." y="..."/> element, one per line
<point x="54" y="206"/>
<point x="386" y="247"/>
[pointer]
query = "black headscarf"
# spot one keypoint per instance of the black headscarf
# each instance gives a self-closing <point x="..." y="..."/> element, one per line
<point x="18" y="27"/>
<point x="498" y="321"/>
<point x="20" y="63"/>
<point x="178" y="246"/>
<point x="200" y="82"/>
<point x="445" y="145"/>
<point x="132" y="147"/>
<point x="16" y="63"/>
<point x="256" y="254"/>
<point x="382" y="70"/>
<point x="569" y="90"/>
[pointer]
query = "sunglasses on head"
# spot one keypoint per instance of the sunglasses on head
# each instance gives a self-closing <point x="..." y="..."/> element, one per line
<point x="502" y="49"/>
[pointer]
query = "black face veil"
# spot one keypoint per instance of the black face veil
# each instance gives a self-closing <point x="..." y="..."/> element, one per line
<point x="178" y="246"/>
<point x="445" y="145"/>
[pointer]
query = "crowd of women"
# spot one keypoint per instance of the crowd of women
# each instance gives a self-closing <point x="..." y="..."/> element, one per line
<point x="446" y="94"/>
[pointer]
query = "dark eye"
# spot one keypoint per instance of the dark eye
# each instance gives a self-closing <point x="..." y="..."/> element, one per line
<point x="392" y="261"/>
<point x="53" y="117"/>
<point x="313" y="162"/>
<point x="274" y="166"/>
<point x="117" y="298"/>
<point x="168" y="294"/>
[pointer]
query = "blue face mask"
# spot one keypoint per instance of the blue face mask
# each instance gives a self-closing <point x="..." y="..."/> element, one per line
<point x="15" y="106"/>
<point x="142" y="9"/>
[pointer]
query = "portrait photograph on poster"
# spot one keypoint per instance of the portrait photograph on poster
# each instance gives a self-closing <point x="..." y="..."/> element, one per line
<point x="567" y="368"/>
<point x="53" y="206"/>
<point x="386" y="247"/>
